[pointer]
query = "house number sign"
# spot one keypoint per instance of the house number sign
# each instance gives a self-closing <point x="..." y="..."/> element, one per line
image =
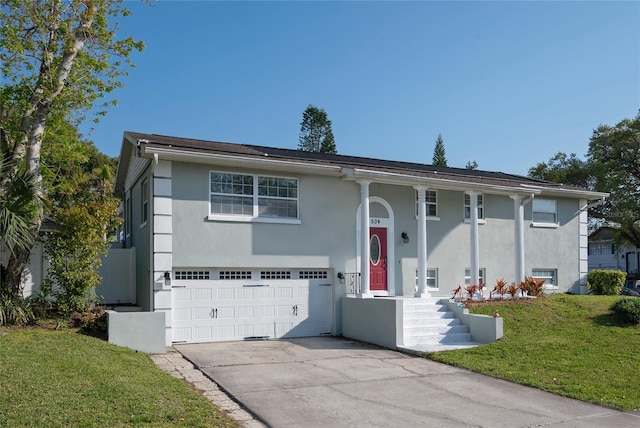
<point x="374" y="221"/>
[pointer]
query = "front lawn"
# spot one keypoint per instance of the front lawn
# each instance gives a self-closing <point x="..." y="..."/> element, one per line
<point x="52" y="378"/>
<point x="564" y="344"/>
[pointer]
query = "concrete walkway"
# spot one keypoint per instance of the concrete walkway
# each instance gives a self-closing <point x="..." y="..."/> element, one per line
<point x="333" y="382"/>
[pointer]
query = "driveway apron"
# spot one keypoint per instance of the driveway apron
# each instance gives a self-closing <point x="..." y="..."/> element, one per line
<point x="335" y="382"/>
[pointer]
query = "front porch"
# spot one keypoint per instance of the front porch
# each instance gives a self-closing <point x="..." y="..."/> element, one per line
<point x="416" y="324"/>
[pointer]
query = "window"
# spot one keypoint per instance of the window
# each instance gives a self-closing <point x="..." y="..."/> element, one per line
<point x="191" y="274"/>
<point x="432" y="278"/>
<point x="544" y="211"/>
<point x="235" y="274"/>
<point x="275" y="274"/>
<point x="144" y="208"/>
<point x="253" y="196"/>
<point x="127" y="215"/>
<point x="431" y="198"/>
<point x="467" y="276"/>
<point x="599" y="248"/>
<point x="548" y="275"/>
<point x="467" y="207"/>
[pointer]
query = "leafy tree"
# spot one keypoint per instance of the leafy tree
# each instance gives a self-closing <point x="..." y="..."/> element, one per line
<point x="472" y="165"/>
<point x="316" y="134"/>
<point x="563" y="168"/>
<point x="58" y="58"/>
<point x="439" y="158"/>
<point x="79" y="183"/>
<point x="613" y="166"/>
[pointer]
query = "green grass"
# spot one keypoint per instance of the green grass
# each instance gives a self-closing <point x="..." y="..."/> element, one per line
<point x="62" y="378"/>
<point x="565" y="344"/>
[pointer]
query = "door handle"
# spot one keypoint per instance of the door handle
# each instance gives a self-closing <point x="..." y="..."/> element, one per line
<point x="294" y="310"/>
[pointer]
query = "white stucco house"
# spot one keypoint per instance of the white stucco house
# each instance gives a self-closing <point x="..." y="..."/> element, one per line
<point x="236" y="241"/>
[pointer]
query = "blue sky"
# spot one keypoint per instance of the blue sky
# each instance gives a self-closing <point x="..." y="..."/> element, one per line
<point x="507" y="84"/>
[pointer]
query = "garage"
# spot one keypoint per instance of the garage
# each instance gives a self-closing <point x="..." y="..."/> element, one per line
<point x="225" y="305"/>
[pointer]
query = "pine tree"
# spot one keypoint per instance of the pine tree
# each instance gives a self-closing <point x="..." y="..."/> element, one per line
<point x="316" y="134"/>
<point x="439" y="158"/>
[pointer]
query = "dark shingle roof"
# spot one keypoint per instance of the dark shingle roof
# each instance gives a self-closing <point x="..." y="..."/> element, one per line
<point x="347" y="161"/>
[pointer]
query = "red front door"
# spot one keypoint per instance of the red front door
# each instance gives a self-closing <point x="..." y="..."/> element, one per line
<point x="378" y="258"/>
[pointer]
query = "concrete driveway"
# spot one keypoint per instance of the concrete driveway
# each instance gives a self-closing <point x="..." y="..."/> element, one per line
<point x="334" y="382"/>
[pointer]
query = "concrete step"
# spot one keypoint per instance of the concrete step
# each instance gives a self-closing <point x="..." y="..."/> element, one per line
<point x="417" y="331"/>
<point x="426" y="322"/>
<point x="450" y="338"/>
<point x="419" y="316"/>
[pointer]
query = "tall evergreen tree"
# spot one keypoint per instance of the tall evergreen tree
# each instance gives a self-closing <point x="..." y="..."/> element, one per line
<point x="439" y="158"/>
<point x="316" y="134"/>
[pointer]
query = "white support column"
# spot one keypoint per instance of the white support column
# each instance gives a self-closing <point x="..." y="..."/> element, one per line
<point x="518" y="215"/>
<point x="475" y="247"/>
<point x="422" y="242"/>
<point x="365" y="255"/>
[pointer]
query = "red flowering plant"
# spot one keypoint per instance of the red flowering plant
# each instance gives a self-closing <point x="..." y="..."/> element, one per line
<point x="457" y="292"/>
<point x="523" y="286"/>
<point x="535" y="286"/>
<point x="500" y="288"/>
<point x="471" y="289"/>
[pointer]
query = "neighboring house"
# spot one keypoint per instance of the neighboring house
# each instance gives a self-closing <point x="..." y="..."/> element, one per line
<point x="604" y="253"/>
<point x="238" y="241"/>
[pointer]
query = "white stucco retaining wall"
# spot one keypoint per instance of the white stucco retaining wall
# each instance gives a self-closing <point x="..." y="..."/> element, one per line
<point x="142" y="331"/>
<point x="483" y="328"/>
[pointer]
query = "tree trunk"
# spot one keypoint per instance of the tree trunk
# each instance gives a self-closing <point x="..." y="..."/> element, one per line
<point x="12" y="275"/>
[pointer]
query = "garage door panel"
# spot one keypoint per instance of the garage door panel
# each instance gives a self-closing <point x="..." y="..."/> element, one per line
<point x="219" y="310"/>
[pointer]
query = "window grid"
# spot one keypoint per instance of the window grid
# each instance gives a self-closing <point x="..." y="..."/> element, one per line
<point x="467" y="207"/>
<point x="599" y="248"/>
<point x="548" y="275"/>
<point x="275" y="274"/>
<point x="191" y="274"/>
<point x="235" y="274"/>
<point x="253" y="196"/>
<point x="432" y="278"/>
<point x="467" y="276"/>
<point x="313" y="274"/>
<point x="431" y="199"/>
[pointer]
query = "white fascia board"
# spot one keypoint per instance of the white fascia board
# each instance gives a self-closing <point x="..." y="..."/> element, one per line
<point x="571" y="193"/>
<point x="265" y="162"/>
<point x="435" y="183"/>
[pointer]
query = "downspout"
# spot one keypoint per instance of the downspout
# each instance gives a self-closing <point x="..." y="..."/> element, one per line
<point x="154" y="164"/>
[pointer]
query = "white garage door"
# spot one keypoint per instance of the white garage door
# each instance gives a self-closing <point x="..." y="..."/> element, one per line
<point x="239" y="305"/>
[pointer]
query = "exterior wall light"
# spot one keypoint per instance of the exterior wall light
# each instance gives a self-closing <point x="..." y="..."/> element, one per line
<point x="405" y="237"/>
<point x="167" y="278"/>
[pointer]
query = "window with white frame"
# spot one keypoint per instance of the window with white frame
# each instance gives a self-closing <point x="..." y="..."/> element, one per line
<point x="432" y="278"/>
<point x="467" y="207"/>
<point x="431" y="199"/>
<point x="127" y="215"/>
<point x="144" y="198"/>
<point x="545" y="211"/>
<point x="549" y="276"/>
<point x="252" y="196"/>
<point x="467" y="276"/>
<point x="599" y="248"/>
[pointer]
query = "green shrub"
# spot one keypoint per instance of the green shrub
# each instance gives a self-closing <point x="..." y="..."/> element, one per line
<point x="606" y="282"/>
<point x="15" y="310"/>
<point x="93" y="320"/>
<point x="627" y="310"/>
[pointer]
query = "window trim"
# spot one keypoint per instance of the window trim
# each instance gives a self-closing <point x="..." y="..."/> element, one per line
<point x="548" y="224"/>
<point x="144" y="202"/>
<point x="482" y="276"/>
<point x="128" y="215"/>
<point x="555" y="277"/>
<point x="255" y="197"/>
<point x="429" y="217"/>
<point x="434" y="270"/>
<point x="481" y="208"/>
